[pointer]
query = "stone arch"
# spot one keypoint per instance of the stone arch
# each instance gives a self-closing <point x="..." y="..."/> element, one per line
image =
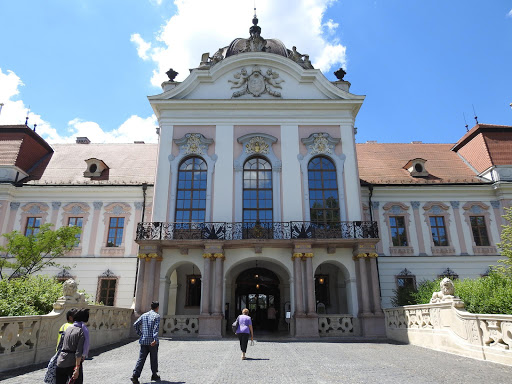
<point x="175" y="292"/>
<point x="336" y="285"/>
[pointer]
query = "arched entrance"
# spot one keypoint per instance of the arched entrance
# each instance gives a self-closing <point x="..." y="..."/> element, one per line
<point x="258" y="290"/>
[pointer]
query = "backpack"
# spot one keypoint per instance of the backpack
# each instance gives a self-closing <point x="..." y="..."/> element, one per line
<point x="234" y="326"/>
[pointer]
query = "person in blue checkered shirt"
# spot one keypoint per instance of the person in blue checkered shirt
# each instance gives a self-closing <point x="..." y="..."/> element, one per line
<point x="147" y="327"/>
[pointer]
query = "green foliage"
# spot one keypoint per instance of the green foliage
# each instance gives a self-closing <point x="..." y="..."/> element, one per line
<point x="403" y="296"/>
<point x="26" y="255"/>
<point x="425" y="290"/>
<point x="31" y="295"/>
<point x="506" y="244"/>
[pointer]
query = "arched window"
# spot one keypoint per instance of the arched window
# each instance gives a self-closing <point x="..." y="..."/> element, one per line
<point x="257" y="190"/>
<point x="191" y="192"/>
<point x="324" y="203"/>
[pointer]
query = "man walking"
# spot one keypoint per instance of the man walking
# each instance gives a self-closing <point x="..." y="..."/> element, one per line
<point x="146" y="327"/>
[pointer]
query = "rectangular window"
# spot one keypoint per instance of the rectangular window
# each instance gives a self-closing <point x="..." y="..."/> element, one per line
<point x="193" y="298"/>
<point x="398" y="234"/>
<point x="479" y="230"/>
<point x="438" y="229"/>
<point x="115" y="232"/>
<point x="107" y="292"/>
<point x="33" y="225"/>
<point x="76" y="222"/>
<point x="406" y="282"/>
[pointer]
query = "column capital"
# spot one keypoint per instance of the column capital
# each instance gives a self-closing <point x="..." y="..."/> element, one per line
<point x="219" y="256"/>
<point x="208" y="256"/>
<point x="455" y="204"/>
<point x="297" y="256"/>
<point x="415" y="204"/>
<point x="308" y="255"/>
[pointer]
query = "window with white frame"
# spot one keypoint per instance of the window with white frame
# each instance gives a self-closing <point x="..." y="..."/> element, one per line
<point x="191" y="191"/>
<point x="324" y="205"/>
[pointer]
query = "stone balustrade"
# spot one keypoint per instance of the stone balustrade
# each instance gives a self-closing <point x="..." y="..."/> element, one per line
<point x="337" y="325"/>
<point x="445" y="326"/>
<point x="180" y="325"/>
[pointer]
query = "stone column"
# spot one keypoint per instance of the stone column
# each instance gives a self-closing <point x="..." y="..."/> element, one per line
<point x="219" y="268"/>
<point x="13" y="209"/>
<point x="297" y="280"/>
<point x="363" y="275"/>
<point x="156" y="278"/>
<point x="94" y="228"/>
<point x="497" y="214"/>
<point x="458" y="225"/>
<point x="140" y="283"/>
<point x="375" y="217"/>
<point x="55" y="212"/>
<point x="205" y="295"/>
<point x="150" y="283"/>
<point x="417" y="223"/>
<point x="310" y="284"/>
<point x="375" y="283"/>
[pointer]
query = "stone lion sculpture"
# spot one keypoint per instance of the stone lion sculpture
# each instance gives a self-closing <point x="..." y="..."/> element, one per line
<point x="446" y="293"/>
<point x="70" y="291"/>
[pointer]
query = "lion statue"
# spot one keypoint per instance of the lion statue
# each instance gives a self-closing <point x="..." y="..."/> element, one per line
<point x="70" y="291"/>
<point x="446" y="293"/>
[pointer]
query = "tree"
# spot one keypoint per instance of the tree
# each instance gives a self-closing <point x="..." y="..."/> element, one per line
<point x="26" y="255"/>
<point x="506" y="244"/>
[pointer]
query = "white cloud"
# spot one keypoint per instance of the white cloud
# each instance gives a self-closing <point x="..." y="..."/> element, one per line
<point x="510" y="13"/>
<point x="142" y="46"/>
<point x="205" y="26"/>
<point x="135" y="128"/>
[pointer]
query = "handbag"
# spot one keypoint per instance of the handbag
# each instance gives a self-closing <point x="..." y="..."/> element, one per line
<point x="234" y="326"/>
<point x="50" y="377"/>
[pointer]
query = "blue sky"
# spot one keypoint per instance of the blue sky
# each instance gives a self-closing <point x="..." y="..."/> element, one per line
<point x="85" y="67"/>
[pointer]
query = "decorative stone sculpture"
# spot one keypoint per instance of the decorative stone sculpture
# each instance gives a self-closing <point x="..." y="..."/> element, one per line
<point x="171" y="73"/>
<point x="340" y="73"/>
<point x="257" y="83"/>
<point x="71" y="294"/>
<point x="446" y="293"/>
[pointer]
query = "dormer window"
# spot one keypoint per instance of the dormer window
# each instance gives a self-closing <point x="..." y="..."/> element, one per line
<point x="94" y="167"/>
<point x="416" y="167"/>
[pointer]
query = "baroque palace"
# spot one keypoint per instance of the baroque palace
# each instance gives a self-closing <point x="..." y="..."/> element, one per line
<point x="256" y="195"/>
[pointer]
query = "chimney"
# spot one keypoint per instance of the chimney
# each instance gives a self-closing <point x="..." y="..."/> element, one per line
<point x="83" y="140"/>
<point x="416" y="142"/>
<point x="138" y="142"/>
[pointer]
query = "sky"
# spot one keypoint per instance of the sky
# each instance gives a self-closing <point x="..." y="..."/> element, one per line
<point x="86" y="67"/>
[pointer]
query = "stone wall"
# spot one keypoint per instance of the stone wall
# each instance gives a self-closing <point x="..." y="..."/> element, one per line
<point x="446" y="327"/>
<point x="26" y="340"/>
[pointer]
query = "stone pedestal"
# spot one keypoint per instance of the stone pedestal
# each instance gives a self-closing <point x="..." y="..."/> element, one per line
<point x="306" y="325"/>
<point x="373" y="325"/>
<point x="210" y="326"/>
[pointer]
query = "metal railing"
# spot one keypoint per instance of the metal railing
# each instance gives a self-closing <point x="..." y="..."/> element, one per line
<point x="288" y="230"/>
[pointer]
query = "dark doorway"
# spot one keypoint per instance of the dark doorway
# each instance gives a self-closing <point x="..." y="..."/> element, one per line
<point x="257" y="289"/>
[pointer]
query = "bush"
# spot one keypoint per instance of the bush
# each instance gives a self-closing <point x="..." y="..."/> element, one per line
<point x="403" y="296"/>
<point x="32" y="295"/>
<point x="425" y="290"/>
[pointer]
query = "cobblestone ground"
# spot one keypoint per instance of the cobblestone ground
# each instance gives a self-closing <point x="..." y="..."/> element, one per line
<point x="283" y="361"/>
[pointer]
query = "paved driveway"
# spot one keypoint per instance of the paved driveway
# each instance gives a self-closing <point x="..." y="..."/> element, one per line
<point x="284" y="361"/>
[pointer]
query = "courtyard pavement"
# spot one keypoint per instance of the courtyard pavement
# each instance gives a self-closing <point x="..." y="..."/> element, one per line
<point x="282" y="361"/>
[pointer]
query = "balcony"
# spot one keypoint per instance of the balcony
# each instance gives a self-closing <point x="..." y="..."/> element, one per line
<point x="289" y="230"/>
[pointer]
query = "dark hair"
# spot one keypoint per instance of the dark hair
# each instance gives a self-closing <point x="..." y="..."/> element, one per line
<point x="82" y="315"/>
<point x="71" y="313"/>
<point x="155" y="305"/>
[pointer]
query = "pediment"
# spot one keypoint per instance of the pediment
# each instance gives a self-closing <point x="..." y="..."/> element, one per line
<point x="255" y="76"/>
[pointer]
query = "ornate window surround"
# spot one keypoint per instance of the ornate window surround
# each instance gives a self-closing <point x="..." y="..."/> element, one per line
<point x="257" y="144"/>
<point x="477" y="208"/>
<point x="191" y="145"/>
<point x="63" y="275"/>
<point x="76" y="210"/>
<point x="322" y="144"/>
<point x="398" y="209"/>
<point x="33" y="210"/>
<point x="405" y="274"/>
<point x="107" y="275"/>
<point x="115" y="210"/>
<point x="437" y="208"/>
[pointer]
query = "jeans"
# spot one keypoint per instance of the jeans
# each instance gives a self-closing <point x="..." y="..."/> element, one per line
<point x="153" y="359"/>
<point x="244" y="339"/>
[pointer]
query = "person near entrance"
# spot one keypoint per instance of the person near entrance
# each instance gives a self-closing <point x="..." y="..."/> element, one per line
<point x="243" y="330"/>
<point x="147" y="327"/>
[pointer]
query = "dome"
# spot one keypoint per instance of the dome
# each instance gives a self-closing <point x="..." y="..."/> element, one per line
<point x="273" y="46"/>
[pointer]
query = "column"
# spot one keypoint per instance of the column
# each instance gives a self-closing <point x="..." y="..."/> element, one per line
<point x="223" y="184"/>
<point x="149" y="276"/>
<point x="205" y="295"/>
<point x="350" y="171"/>
<point x="291" y="174"/>
<point x="13" y="209"/>
<point x="94" y="227"/>
<point x="297" y="278"/>
<point x="140" y="282"/>
<point x="219" y="268"/>
<point x="458" y="225"/>
<point x="55" y="212"/>
<point x="497" y="215"/>
<point x="310" y="284"/>
<point x="363" y="275"/>
<point x="156" y="278"/>
<point x="417" y="223"/>
<point x="163" y="175"/>
<point x="375" y="283"/>
<point x="3" y="214"/>
<point x="376" y="217"/>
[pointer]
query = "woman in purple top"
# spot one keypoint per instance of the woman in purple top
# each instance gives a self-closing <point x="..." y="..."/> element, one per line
<point x="243" y="330"/>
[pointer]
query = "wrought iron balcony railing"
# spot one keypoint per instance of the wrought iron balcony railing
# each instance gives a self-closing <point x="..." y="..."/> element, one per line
<point x="288" y="230"/>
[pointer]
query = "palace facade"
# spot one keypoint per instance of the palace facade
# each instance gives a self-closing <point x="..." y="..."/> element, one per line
<point x="258" y="196"/>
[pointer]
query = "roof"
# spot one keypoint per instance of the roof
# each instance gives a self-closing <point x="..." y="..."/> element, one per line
<point x="128" y="164"/>
<point x="383" y="163"/>
<point x="9" y="150"/>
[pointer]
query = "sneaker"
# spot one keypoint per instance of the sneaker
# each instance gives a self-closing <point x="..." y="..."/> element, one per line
<point x="135" y="380"/>
<point x="155" y="377"/>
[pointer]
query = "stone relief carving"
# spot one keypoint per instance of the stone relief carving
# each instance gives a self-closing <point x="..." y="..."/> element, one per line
<point x="257" y="83"/>
<point x="320" y="143"/>
<point x="257" y="145"/>
<point x="194" y="144"/>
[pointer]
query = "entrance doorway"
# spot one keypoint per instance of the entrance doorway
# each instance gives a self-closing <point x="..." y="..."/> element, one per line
<point x="257" y="289"/>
